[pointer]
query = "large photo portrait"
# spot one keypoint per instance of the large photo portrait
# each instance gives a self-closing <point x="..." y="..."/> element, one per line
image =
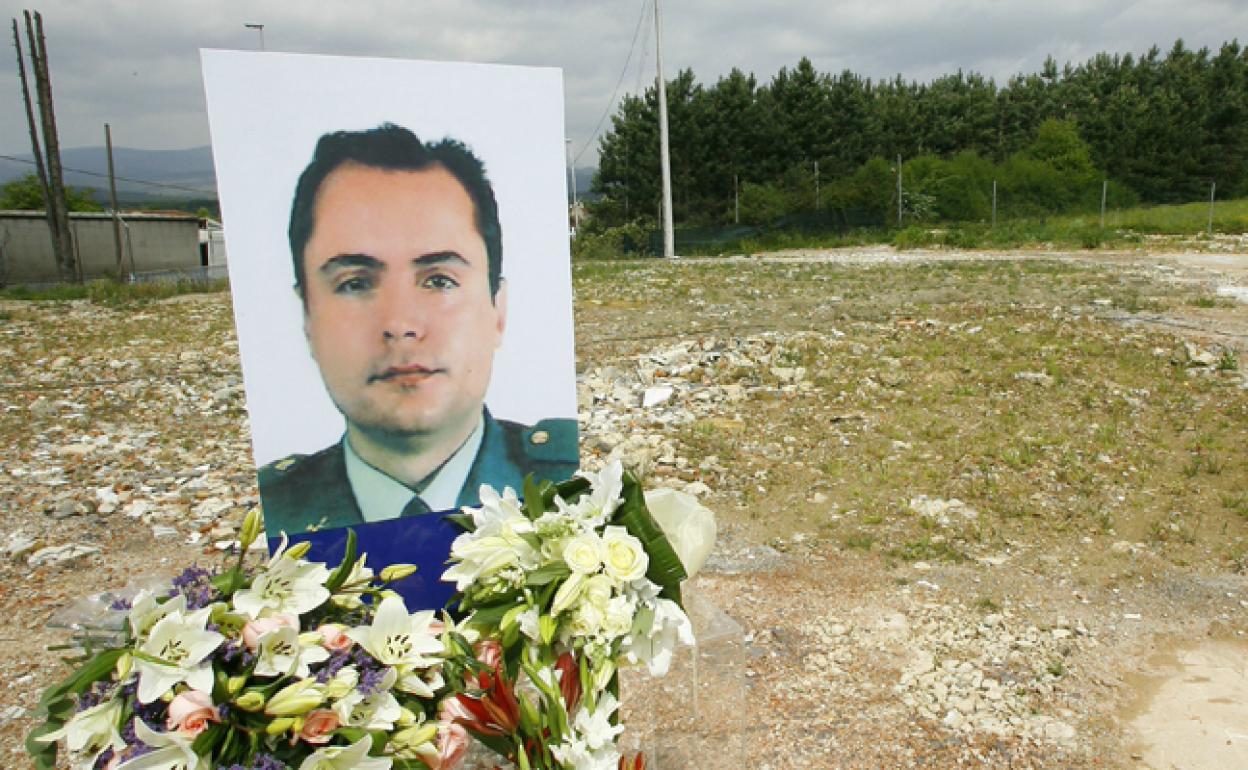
<point x="397" y="244"/>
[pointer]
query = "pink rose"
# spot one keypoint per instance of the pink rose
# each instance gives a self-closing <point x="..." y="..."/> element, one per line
<point x="452" y="746"/>
<point x="318" y="725"/>
<point x="490" y="653"/>
<point x="261" y="626"/>
<point x="190" y="713"/>
<point x="450" y="710"/>
<point x="334" y="637"/>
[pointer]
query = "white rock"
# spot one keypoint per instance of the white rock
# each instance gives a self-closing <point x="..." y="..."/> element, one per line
<point x="162" y="531"/>
<point x="1058" y="731"/>
<point x="655" y="396"/>
<point x="19" y="545"/>
<point x="60" y="554"/>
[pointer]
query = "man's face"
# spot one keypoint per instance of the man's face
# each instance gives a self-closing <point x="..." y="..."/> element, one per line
<point x="397" y="308"/>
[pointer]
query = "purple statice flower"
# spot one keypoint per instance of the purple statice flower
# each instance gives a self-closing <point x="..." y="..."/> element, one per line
<point x="261" y="762"/>
<point x="195" y="583"/>
<point x="121" y="604"/>
<point x="371" y="672"/>
<point x="102" y="761"/>
<point x="231" y="651"/>
<point x="332" y="665"/>
<point x="95" y="695"/>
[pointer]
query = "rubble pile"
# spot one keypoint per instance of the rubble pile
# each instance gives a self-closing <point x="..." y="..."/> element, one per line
<point x="628" y="410"/>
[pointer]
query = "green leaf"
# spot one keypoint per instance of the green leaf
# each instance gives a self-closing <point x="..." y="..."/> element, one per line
<point x="206" y="741"/>
<point x="228" y="582"/>
<point x="665" y="567"/>
<point x="339" y="575"/>
<point x="462" y="520"/>
<point x="547" y="574"/>
<point x="535" y="491"/>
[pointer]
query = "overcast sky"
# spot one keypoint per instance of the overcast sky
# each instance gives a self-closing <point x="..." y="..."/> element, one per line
<point x="135" y="63"/>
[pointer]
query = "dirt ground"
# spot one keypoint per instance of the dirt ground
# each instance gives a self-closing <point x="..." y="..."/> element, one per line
<point x="976" y="509"/>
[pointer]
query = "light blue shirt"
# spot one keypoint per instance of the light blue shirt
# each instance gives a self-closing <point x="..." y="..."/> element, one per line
<point x="381" y="497"/>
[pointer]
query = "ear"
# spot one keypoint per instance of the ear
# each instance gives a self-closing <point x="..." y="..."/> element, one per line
<point x="303" y="303"/>
<point x="500" y="310"/>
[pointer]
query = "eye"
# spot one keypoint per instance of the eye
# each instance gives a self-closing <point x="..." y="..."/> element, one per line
<point x="440" y="282"/>
<point x="353" y="284"/>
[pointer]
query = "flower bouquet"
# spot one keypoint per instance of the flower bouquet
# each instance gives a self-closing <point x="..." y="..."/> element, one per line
<point x="292" y="666"/>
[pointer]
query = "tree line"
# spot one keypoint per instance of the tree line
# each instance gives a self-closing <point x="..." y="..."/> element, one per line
<point x="1161" y="128"/>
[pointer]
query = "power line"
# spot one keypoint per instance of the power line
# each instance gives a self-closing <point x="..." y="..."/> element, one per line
<point x="122" y="178"/>
<point x="624" y="71"/>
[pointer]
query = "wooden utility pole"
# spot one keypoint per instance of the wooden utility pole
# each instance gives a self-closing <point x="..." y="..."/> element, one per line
<point x="52" y="179"/>
<point x="112" y="192"/>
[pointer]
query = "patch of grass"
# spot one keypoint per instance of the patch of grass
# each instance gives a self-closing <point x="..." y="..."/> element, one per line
<point x="113" y="293"/>
<point x="925" y="549"/>
<point x="861" y="541"/>
<point x="1228" y="361"/>
<point x="987" y="605"/>
<point x="1236" y="503"/>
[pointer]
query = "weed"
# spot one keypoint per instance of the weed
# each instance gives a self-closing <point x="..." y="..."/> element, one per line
<point x="861" y="541"/>
<point x="925" y="549"/>
<point x="1055" y="668"/>
<point x="987" y="604"/>
<point x="1228" y="362"/>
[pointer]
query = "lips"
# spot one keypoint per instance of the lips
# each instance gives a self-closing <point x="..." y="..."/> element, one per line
<point x="406" y="374"/>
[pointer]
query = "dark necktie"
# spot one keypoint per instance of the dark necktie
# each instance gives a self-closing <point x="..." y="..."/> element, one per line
<point x="415" y="507"/>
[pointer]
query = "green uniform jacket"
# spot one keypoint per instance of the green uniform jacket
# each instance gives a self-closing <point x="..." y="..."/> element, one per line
<point x="311" y="492"/>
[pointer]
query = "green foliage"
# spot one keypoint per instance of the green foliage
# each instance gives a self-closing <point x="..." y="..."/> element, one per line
<point x="25" y="194"/>
<point x="627" y="240"/>
<point x="1159" y="127"/>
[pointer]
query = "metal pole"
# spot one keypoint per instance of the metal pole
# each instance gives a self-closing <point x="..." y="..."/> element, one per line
<point x="899" y="189"/>
<point x="736" y="200"/>
<point x="1213" y="188"/>
<point x="112" y="191"/>
<point x="665" y="159"/>
<point x="259" y="28"/>
<point x="1104" y="197"/>
<point x="576" y="222"/>
<point x="994" y="204"/>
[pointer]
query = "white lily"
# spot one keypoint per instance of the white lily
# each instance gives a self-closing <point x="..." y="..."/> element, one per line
<point x="145" y="611"/>
<point x="378" y="711"/>
<point x="181" y="643"/>
<point x="283" y="653"/>
<point x="398" y="639"/>
<point x="654" y="643"/>
<point x="353" y="757"/>
<point x="496" y="544"/>
<point x="287" y="585"/>
<point x="422" y="684"/>
<point x="89" y="733"/>
<point x="595" y="726"/>
<point x="172" y="751"/>
<point x="595" y="508"/>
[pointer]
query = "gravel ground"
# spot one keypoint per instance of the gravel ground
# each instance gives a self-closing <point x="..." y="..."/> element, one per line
<point x="128" y="458"/>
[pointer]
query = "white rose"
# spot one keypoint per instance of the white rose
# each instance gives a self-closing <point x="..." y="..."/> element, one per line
<point x="584" y="553"/>
<point x="625" y="559"/>
<point x="689" y="525"/>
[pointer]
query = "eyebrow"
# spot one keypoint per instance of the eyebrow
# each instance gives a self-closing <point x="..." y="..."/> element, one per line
<point x="345" y="261"/>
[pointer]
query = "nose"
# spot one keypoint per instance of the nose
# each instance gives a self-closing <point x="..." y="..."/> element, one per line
<point x="402" y="314"/>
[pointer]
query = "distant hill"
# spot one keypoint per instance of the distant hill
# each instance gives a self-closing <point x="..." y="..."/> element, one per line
<point x="174" y="174"/>
<point x="177" y="174"/>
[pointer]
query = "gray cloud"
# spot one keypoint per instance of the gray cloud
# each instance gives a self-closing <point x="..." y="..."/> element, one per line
<point x="136" y="65"/>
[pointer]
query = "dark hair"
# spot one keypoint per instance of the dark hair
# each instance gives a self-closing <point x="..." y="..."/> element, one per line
<point x="394" y="148"/>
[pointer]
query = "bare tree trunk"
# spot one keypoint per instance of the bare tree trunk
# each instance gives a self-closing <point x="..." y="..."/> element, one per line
<point x="66" y="260"/>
